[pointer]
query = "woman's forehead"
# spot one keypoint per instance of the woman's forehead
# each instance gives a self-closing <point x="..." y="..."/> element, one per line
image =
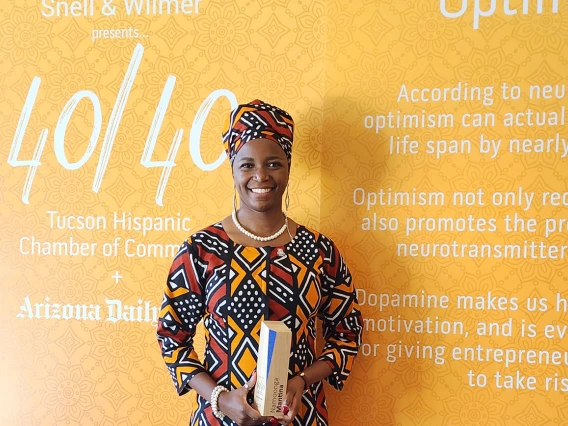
<point x="260" y="148"/>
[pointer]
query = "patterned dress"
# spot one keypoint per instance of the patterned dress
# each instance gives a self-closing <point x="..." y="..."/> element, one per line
<point x="233" y="288"/>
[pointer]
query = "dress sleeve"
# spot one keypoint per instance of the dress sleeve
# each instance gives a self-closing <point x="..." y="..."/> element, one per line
<point x="342" y="321"/>
<point x="182" y="308"/>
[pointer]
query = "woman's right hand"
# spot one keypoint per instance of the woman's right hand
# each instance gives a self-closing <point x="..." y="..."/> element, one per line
<point x="235" y="405"/>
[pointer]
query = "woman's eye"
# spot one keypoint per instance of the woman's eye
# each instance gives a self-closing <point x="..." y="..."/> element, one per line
<point x="246" y="166"/>
<point x="275" y="164"/>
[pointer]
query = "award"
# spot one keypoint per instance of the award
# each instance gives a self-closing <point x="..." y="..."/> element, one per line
<point x="272" y="368"/>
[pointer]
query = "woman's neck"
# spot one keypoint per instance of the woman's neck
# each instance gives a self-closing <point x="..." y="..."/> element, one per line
<point x="261" y="223"/>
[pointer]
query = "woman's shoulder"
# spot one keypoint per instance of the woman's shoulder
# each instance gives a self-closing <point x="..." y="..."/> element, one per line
<point x="317" y="235"/>
<point x="322" y="242"/>
<point x="208" y="234"/>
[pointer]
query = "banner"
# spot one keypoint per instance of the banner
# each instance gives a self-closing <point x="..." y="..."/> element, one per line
<point x="430" y="145"/>
<point x="111" y="117"/>
<point x="444" y="181"/>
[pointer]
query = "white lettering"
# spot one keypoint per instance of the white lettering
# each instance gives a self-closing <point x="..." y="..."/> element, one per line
<point x="478" y="12"/>
<point x="146" y="159"/>
<point x="197" y="127"/>
<point x="61" y="127"/>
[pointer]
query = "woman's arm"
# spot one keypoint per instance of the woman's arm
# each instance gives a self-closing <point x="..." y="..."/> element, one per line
<point x="340" y="314"/>
<point x="182" y="309"/>
<point x="342" y="329"/>
<point x="316" y="372"/>
<point x="233" y="404"/>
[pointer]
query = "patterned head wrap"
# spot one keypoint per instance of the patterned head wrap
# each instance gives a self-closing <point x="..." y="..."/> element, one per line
<point x="258" y="120"/>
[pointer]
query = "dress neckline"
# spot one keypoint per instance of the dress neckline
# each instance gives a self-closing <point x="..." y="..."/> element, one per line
<point x="299" y="228"/>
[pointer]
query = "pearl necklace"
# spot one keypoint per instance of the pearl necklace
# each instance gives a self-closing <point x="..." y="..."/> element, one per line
<point x="258" y="237"/>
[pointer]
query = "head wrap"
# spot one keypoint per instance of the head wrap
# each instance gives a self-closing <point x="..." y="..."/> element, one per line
<point x="258" y="120"/>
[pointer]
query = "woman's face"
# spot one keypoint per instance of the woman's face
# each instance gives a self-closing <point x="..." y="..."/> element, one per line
<point x="260" y="173"/>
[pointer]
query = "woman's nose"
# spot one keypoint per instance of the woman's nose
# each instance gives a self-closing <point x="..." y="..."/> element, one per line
<point x="261" y="174"/>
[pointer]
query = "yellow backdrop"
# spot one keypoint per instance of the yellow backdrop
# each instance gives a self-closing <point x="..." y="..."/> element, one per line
<point x="426" y="217"/>
<point x="430" y="145"/>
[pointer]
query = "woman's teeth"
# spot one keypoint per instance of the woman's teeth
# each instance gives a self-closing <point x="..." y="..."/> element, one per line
<point x="261" y="190"/>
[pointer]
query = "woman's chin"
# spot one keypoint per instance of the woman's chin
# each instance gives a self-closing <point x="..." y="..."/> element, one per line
<point x="262" y="207"/>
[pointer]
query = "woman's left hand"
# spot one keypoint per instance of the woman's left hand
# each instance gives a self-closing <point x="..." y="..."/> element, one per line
<point x="294" y="393"/>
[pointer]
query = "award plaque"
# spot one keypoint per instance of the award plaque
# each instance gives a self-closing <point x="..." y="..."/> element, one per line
<point x="272" y="367"/>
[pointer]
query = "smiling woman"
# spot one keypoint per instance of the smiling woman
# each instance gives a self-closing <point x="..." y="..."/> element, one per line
<point x="258" y="265"/>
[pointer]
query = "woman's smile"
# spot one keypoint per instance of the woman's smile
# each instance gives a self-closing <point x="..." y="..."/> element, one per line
<point x="261" y="190"/>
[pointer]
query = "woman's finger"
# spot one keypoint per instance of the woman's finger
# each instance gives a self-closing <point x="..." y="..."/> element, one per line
<point x="248" y="386"/>
<point x="252" y="380"/>
<point x="288" y="416"/>
<point x="255" y="416"/>
<point x="293" y="398"/>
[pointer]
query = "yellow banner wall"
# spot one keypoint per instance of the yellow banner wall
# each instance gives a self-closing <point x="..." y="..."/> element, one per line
<point x="458" y="244"/>
<point x="121" y="94"/>
<point x="430" y="145"/>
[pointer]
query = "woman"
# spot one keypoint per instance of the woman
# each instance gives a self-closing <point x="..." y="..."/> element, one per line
<point x="255" y="265"/>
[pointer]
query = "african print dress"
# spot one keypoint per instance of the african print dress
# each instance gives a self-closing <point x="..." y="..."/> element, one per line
<point x="233" y="288"/>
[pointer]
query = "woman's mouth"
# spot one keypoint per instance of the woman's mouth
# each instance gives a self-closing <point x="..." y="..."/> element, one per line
<point x="260" y="190"/>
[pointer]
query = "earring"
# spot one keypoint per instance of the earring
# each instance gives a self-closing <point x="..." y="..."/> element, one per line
<point x="235" y="199"/>
<point x="287" y="199"/>
<point x="287" y="205"/>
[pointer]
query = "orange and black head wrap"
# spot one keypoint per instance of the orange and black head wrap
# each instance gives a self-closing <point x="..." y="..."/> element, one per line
<point x="258" y="120"/>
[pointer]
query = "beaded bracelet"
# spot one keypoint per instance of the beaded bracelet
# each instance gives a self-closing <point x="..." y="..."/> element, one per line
<point x="214" y="399"/>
